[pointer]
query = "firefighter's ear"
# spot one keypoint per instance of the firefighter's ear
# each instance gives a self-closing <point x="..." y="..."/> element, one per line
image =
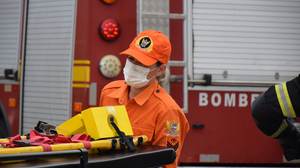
<point x="161" y="69"/>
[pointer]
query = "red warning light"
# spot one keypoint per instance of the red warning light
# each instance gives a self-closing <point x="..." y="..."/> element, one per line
<point x="110" y="1"/>
<point x="110" y="29"/>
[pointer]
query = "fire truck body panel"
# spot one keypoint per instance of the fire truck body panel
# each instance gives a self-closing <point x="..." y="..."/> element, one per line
<point x="223" y="130"/>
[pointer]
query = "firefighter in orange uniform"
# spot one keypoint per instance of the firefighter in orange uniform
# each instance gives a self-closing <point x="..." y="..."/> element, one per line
<point x="151" y="110"/>
<point x="273" y="112"/>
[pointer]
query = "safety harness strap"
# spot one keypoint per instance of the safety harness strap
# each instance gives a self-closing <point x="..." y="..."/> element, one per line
<point x="37" y="139"/>
<point x="82" y="138"/>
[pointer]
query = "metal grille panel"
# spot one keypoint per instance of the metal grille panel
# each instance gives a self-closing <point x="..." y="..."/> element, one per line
<point x="155" y="23"/>
<point x="246" y="40"/>
<point x="10" y="33"/>
<point x="48" y="62"/>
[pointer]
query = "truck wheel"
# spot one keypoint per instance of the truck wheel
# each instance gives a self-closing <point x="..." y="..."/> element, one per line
<point x="2" y="134"/>
<point x="4" y="125"/>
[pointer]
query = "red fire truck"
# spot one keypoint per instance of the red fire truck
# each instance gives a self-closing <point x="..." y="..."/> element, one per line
<point x="57" y="55"/>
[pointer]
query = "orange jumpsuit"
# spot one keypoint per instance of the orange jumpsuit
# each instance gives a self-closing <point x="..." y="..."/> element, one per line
<point x="153" y="113"/>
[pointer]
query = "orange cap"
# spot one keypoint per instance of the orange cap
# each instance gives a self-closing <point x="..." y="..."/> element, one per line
<point x="149" y="47"/>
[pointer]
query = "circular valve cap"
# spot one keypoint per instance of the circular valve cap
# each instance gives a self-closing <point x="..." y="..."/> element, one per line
<point x="110" y="66"/>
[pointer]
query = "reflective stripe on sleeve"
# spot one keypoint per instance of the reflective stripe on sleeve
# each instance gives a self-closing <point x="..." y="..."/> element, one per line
<point x="285" y="101"/>
<point x="282" y="127"/>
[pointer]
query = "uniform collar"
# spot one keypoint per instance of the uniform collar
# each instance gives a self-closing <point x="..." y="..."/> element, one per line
<point x="141" y="98"/>
<point x="122" y="93"/>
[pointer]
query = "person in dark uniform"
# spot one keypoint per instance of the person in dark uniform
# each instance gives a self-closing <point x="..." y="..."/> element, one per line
<point x="272" y="112"/>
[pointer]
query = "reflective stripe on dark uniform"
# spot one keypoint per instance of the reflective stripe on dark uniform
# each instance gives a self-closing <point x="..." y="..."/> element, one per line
<point x="272" y="108"/>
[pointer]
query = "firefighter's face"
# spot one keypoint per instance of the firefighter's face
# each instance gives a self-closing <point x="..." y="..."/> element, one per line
<point x="153" y="68"/>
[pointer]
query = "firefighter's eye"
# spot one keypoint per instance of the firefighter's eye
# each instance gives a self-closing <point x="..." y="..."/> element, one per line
<point x="131" y="59"/>
<point x="135" y="61"/>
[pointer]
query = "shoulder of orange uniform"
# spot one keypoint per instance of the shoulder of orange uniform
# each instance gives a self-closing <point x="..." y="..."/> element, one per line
<point x="165" y="97"/>
<point x="114" y="84"/>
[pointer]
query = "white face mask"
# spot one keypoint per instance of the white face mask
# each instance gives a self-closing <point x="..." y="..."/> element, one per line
<point x="136" y="76"/>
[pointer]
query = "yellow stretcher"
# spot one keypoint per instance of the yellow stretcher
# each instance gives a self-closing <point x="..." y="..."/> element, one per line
<point x="103" y="145"/>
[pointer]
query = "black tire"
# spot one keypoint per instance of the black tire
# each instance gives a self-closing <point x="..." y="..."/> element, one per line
<point x="4" y="125"/>
<point x="2" y="133"/>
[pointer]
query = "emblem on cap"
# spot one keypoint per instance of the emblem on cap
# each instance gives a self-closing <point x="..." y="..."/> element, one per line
<point x="144" y="43"/>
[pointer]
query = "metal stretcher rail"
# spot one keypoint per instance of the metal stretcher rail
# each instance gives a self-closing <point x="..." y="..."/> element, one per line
<point x="144" y="156"/>
<point x="82" y="153"/>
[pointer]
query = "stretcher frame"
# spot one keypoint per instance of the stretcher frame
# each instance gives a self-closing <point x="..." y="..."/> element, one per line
<point x="144" y="156"/>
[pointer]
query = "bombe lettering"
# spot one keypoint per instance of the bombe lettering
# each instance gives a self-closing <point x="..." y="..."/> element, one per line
<point x="227" y="99"/>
